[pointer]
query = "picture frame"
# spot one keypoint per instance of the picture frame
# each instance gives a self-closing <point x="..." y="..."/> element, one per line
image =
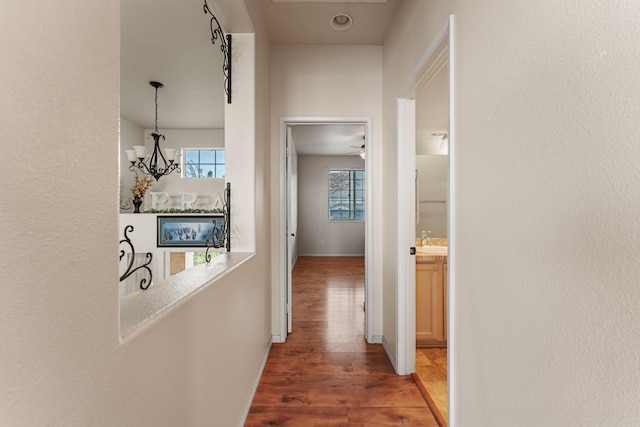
<point x="191" y="231"/>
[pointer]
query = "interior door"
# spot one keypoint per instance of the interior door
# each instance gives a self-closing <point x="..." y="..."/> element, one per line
<point x="291" y="189"/>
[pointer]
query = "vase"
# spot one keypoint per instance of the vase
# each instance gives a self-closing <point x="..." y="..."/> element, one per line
<point x="137" y="201"/>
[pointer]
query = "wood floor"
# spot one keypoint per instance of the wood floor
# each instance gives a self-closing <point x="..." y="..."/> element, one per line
<point x="431" y="370"/>
<point x="326" y="374"/>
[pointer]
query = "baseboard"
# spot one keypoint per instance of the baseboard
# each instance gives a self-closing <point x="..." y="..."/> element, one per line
<point x="376" y="339"/>
<point x="334" y="255"/>
<point x="277" y="339"/>
<point x="254" y="388"/>
<point x="390" y="354"/>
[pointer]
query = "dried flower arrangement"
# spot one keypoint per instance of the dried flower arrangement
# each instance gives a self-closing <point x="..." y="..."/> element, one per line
<point x="141" y="186"/>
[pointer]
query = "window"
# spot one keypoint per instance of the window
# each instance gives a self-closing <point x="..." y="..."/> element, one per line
<point x="203" y="164"/>
<point x="346" y="195"/>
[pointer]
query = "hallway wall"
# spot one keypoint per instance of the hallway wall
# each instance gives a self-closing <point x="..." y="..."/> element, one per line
<point x="545" y="233"/>
<point x="62" y="361"/>
<point x="318" y="235"/>
<point x="328" y="81"/>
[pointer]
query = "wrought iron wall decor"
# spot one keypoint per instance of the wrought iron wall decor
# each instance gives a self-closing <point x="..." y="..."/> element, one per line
<point x="225" y="47"/>
<point x="130" y="270"/>
<point x="126" y="205"/>
<point x="221" y="237"/>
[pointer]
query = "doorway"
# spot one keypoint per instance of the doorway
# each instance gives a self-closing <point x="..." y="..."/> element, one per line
<point x="436" y="58"/>
<point x="289" y="220"/>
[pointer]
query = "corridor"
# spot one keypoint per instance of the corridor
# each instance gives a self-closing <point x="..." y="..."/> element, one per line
<point x="326" y="374"/>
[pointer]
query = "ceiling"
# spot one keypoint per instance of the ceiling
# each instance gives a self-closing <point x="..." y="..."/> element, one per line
<point x="169" y="41"/>
<point x="328" y="139"/>
<point x="308" y="22"/>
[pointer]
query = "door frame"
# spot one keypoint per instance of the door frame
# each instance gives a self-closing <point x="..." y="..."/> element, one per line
<point x="284" y="245"/>
<point x="288" y="231"/>
<point x="440" y="49"/>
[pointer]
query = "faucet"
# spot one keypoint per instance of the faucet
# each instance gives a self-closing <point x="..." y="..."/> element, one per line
<point x="426" y="238"/>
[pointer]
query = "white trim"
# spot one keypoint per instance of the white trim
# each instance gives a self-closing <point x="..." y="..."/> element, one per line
<point x="406" y="274"/>
<point x="376" y="339"/>
<point x="254" y="387"/>
<point x="368" y="274"/>
<point x="277" y="339"/>
<point x="430" y="63"/>
<point x="289" y="232"/>
<point x="451" y="233"/>
<point x="283" y="234"/>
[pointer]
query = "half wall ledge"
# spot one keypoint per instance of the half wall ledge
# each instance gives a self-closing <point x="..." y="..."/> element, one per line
<point x="140" y="309"/>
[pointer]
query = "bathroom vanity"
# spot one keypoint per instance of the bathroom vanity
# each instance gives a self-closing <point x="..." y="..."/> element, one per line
<point x="431" y="295"/>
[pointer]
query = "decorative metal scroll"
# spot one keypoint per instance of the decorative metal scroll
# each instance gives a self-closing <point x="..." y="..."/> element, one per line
<point x="225" y="47"/>
<point x="130" y="270"/>
<point x="221" y="236"/>
<point x="126" y="205"/>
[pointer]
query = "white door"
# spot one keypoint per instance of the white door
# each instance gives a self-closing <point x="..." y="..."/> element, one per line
<point x="292" y="216"/>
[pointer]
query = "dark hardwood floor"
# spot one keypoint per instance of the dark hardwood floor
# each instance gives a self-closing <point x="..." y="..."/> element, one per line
<point x="326" y="374"/>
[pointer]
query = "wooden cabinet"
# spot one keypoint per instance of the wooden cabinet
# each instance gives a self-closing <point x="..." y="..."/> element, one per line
<point x="431" y="304"/>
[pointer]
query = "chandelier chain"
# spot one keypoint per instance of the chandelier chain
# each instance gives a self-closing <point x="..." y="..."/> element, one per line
<point x="156" y="110"/>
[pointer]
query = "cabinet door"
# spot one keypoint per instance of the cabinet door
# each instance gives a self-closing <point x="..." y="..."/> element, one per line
<point x="429" y="303"/>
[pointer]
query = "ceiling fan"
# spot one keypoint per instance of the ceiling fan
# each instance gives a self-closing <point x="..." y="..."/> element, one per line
<point x="360" y="150"/>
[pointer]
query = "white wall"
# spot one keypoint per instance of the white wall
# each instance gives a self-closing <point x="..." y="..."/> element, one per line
<point x="316" y="234"/>
<point x="62" y="362"/>
<point x="328" y="81"/>
<point x="433" y="176"/>
<point x="240" y="127"/>
<point x="544" y="227"/>
<point x="130" y="134"/>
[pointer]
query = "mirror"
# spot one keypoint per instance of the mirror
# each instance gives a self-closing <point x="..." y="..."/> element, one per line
<point x="432" y="163"/>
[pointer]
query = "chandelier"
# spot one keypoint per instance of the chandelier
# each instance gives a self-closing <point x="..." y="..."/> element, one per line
<point x="160" y="162"/>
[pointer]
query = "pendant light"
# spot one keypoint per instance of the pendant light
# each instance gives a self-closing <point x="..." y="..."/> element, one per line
<point x="160" y="162"/>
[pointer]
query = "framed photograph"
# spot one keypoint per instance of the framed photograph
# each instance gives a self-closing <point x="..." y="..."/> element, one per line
<point x="191" y="231"/>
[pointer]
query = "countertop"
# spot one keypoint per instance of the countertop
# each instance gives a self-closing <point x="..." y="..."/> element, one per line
<point x="425" y="257"/>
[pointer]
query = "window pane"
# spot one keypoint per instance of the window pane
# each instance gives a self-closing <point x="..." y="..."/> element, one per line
<point x="191" y="156"/>
<point x="220" y="156"/>
<point x="207" y="156"/>
<point x="207" y="172"/>
<point x="204" y="163"/>
<point x="191" y="170"/>
<point x="346" y="195"/>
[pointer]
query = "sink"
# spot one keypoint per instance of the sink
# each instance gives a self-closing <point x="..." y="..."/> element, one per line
<point x="432" y="250"/>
